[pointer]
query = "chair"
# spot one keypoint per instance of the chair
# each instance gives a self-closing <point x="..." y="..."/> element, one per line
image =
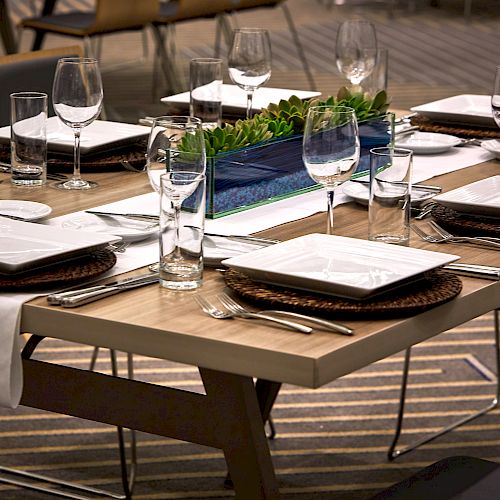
<point x="109" y="16"/>
<point x="35" y="68"/>
<point x="176" y="11"/>
<point x="393" y="452"/>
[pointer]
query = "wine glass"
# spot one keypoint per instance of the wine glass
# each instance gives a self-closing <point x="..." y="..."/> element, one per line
<point x="249" y="61"/>
<point x="175" y="143"/>
<point x="495" y="98"/>
<point x="330" y="148"/>
<point x="77" y="98"/>
<point x="356" y="49"/>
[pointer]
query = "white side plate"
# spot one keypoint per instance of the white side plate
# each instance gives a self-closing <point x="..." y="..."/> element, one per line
<point x="25" y="245"/>
<point x="360" y="192"/>
<point x="98" y="136"/>
<point x="465" y="109"/>
<point x="492" y="146"/>
<point x="27" y="210"/>
<point x="336" y="265"/>
<point x="427" y="143"/>
<point x="236" y="98"/>
<point x="481" y="197"/>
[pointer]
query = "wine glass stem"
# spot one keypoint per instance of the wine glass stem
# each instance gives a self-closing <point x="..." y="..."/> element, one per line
<point x="249" y="103"/>
<point x="329" y="225"/>
<point x="76" y="168"/>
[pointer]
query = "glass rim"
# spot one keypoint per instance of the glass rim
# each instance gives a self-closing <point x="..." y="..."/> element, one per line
<point x="250" y="30"/>
<point x="200" y="175"/>
<point x="340" y="108"/>
<point x="78" y="60"/>
<point x="177" y="119"/>
<point x="29" y="95"/>
<point x="386" y="150"/>
<point x="206" y="60"/>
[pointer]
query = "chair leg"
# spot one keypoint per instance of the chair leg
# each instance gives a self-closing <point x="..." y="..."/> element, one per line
<point x="298" y="44"/>
<point x="394" y="453"/>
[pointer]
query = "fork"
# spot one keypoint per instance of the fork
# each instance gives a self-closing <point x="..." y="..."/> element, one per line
<point x="217" y="313"/>
<point x="445" y="234"/>
<point x="236" y="307"/>
<point x="453" y="239"/>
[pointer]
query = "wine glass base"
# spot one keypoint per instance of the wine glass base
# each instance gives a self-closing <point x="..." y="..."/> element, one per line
<point x="73" y="184"/>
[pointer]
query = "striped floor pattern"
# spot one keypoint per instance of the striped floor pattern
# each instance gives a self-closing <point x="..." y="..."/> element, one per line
<point x="332" y="442"/>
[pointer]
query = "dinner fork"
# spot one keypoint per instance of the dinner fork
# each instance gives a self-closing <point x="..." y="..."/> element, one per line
<point x="236" y="307"/>
<point x="445" y="234"/>
<point x="454" y="239"/>
<point x="217" y="313"/>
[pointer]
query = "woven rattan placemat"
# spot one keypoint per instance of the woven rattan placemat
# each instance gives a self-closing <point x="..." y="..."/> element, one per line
<point x="132" y="157"/>
<point x="60" y="274"/>
<point x="465" y="224"/>
<point x="426" y="125"/>
<point x="436" y="287"/>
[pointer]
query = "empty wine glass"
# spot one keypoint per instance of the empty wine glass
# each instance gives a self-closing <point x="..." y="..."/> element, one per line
<point x="495" y="98"/>
<point x="169" y="137"/>
<point x="356" y="49"/>
<point x="249" y="61"/>
<point x="330" y="148"/>
<point x="77" y="98"/>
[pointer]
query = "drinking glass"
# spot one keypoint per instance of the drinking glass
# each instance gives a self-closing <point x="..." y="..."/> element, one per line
<point x="175" y="143"/>
<point x="181" y="229"/>
<point x="331" y="148"/>
<point x="356" y="49"/>
<point x="249" y="61"/>
<point x="495" y="98"/>
<point x="77" y="98"/>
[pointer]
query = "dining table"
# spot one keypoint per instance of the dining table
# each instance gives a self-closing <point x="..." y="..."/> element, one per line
<point x="242" y="363"/>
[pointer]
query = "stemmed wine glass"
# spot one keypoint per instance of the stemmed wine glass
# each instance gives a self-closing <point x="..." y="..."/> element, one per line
<point x="249" y="61"/>
<point x="356" y="49"/>
<point x="495" y="98"/>
<point x="331" y="148"/>
<point x="77" y="97"/>
<point x="175" y="143"/>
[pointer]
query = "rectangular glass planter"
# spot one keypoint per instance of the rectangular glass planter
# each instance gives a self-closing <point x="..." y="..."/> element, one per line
<point x="260" y="174"/>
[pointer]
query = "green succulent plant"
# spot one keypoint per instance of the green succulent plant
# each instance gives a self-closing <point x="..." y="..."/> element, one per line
<point x="287" y="118"/>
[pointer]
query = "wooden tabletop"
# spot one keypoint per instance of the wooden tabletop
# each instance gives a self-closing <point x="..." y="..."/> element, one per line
<point x="156" y="322"/>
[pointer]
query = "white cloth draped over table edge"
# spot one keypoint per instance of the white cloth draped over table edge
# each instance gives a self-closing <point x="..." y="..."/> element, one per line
<point x="145" y="252"/>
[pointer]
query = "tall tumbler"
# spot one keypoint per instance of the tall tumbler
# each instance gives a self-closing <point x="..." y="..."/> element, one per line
<point x="182" y="218"/>
<point x="390" y="190"/>
<point x="205" y="80"/>
<point x="28" y="138"/>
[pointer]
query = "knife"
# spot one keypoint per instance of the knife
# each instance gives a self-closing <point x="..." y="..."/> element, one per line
<point x="57" y="298"/>
<point x="421" y="187"/>
<point x="142" y="217"/>
<point x="474" y="270"/>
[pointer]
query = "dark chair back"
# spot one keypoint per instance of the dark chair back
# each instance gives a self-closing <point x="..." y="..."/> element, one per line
<point x="30" y="72"/>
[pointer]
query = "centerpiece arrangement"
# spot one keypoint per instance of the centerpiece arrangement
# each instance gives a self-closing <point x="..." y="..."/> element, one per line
<point x="259" y="159"/>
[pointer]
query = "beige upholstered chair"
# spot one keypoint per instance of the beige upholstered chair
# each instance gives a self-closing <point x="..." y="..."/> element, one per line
<point x="109" y="16"/>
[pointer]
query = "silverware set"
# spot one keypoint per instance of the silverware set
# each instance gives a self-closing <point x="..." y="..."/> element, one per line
<point x="81" y="296"/>
<point x="228" y="308"/>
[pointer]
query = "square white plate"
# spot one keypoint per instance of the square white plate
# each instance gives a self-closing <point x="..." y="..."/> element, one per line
<point x="336" y="265"/>
<point x="465" y="109"/>
<point x="480" y="197"/>
<point x="25" y="245"/>
<point x="236" y="98"/>
<point x="100" y="135"/>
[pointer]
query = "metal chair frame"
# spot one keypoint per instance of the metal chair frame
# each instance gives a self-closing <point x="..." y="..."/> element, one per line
<point x="128" y="473"/>
<point x="393" y="451"/>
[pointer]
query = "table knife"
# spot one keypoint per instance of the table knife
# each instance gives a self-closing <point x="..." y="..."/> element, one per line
<point x="86" y="298"/>
<point x="474" y="270"/>
<point x="57" y="298"/>
<point x="143" y="217"/>
<point x="422" y="187"/>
